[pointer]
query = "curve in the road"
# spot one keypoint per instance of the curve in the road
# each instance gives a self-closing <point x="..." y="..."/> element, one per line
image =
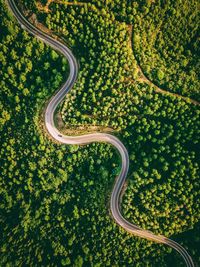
<point x="89" y="138"/>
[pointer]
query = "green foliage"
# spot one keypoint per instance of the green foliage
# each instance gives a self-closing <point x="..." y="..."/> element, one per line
<point x="167" y="40"/>
<point x="54" y="199"/>
<point x="160" y="74"/>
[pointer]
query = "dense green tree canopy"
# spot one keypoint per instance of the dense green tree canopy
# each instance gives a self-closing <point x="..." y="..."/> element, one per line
<point x="55" y="198"/>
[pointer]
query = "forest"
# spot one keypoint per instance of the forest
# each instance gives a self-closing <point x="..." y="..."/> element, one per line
<point x="138" y="78"/>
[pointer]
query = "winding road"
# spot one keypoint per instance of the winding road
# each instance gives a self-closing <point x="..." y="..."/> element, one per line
<point x="89" y="138"/>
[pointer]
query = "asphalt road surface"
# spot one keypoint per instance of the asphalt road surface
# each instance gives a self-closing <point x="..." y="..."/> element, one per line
<point x="89" y="138"/>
